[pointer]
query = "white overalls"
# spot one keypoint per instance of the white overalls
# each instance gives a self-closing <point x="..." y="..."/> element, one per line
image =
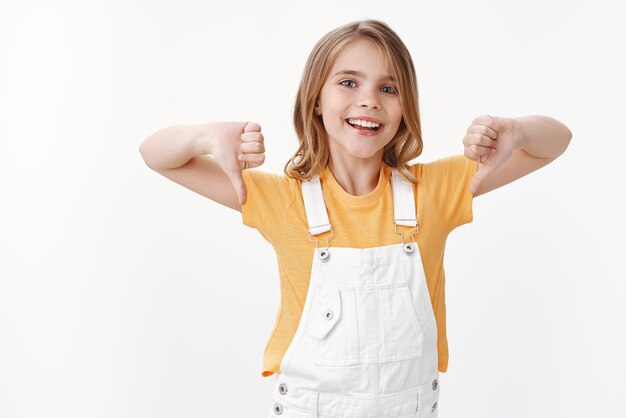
<point x="366" y="344"/>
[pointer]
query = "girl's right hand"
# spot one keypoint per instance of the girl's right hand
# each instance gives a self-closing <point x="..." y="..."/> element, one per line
<point x="236" y="146"/>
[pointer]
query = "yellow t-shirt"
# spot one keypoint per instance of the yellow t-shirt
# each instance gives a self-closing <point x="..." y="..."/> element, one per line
<point x="275" y="208"/>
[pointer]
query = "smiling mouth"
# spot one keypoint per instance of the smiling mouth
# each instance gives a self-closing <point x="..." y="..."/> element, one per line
<point x="364" y="128"/>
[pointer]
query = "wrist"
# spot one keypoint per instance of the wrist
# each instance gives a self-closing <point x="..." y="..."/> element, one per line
<point x="517" y="130"/>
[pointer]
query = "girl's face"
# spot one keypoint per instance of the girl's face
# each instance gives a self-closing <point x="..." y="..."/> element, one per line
<point x="359" y="88"/>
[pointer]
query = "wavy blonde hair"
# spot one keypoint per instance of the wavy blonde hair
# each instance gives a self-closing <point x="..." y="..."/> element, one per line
<point x="313" y="153"/>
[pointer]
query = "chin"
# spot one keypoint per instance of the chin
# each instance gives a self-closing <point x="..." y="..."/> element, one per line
<point x="357" y="148"/>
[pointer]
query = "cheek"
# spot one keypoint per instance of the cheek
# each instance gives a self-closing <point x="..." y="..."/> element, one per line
<point x="398" y="116"/>
<point x="394" y="109"/>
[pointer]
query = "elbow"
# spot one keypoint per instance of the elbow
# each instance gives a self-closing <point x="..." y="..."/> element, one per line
<point x="143" y="153"/>
<point x="568" y="133"/>
<point x="568" y="137"/>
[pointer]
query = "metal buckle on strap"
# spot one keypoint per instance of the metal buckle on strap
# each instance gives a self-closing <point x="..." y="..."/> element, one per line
<point x="324" y="252"/>
<point x="409" y="247"/>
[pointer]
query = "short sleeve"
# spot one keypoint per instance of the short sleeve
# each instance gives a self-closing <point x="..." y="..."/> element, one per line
<point x="268" y="198"/>
<point x="447" y="181"/>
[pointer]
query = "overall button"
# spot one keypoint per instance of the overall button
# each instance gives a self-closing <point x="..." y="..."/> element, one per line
<point x="282" y="388"/>
<point x="278" y="409"/>
<point x="324" y="254"/>
<point x="435" y="384"/>
<point x="434" y="407"/>
<point x="408" y="248"/>
<point x="327" y="312"/>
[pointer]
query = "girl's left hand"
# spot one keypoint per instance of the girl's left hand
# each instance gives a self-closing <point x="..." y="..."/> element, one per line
<point x="490" y="140"/>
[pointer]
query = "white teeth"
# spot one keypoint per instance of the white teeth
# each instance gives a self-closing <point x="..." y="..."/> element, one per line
<point x="365" y="123"/>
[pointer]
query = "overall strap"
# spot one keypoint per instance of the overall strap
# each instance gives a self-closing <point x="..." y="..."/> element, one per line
<point x="403" y="199"/>
<point x="314" y="206"/>
<point x="317" y="216"/>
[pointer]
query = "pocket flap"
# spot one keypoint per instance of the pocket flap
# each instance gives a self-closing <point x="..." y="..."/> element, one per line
<point x="326" y="311"/>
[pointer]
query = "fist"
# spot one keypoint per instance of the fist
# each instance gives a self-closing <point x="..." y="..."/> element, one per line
<point x="490" y="140"/>
<point x="236" y="146"/>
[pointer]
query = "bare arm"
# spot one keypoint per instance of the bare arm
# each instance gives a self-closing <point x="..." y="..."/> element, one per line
<point x="205" y="158"/>
<point x="510" y="148"/>
<point x="174" y="146"/>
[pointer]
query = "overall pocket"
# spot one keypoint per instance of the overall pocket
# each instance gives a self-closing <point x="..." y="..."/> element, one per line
<point x="334" y="327"/>
<point x="372" y="324"/>
<point x="388" y="325"/>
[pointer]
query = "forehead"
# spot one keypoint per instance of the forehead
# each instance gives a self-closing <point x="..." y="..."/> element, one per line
<point x="362" y="55"/>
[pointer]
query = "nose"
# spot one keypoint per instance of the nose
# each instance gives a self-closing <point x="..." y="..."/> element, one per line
<point x="369" y="99"/>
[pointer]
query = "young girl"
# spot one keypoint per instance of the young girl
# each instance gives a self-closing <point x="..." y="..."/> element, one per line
<point x="359" y="233"/>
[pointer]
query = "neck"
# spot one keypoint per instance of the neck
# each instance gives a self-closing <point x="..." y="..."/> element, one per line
<point x="357" y="178"/>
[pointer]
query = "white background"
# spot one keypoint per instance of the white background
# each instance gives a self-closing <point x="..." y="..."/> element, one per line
<point x="123" y="294"/>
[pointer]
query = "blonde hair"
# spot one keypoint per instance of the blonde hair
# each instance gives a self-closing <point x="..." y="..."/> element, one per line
<point x="313" y="153"/>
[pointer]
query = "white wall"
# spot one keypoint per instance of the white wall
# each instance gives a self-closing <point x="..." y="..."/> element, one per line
<point x="121" y="291"/>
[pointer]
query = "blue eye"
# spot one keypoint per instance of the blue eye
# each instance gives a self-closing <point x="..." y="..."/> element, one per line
<point x="393" y="90"/>
<point x="351" y="81"/>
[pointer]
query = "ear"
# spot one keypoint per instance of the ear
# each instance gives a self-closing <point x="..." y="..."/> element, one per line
<point x="318" y="111"/>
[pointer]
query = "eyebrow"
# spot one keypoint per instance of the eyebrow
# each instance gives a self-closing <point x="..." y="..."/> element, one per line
<point x="362" y="75"/>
